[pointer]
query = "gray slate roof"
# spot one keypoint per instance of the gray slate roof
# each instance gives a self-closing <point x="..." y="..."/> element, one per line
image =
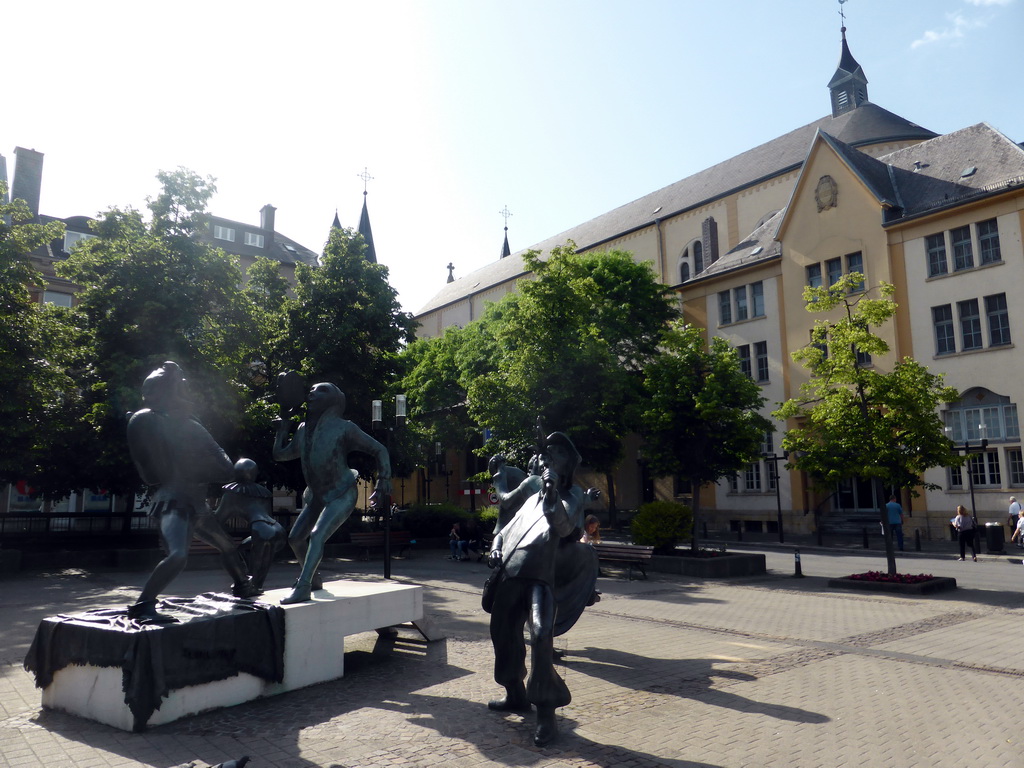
<point x="868" y="124"/>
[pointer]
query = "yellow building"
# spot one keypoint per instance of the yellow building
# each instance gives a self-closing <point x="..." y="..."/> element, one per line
<point x="863" y="190"/>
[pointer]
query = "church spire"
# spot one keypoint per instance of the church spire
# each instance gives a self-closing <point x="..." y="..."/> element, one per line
<point x="364" y="221"/>
<point x="505" y="250"/>
<point x="849" y="85"/>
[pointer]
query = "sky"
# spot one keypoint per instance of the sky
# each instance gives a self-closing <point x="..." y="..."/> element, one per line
<point x="555" y="110"/>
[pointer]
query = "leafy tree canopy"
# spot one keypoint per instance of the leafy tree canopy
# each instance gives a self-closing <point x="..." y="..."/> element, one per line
<point x="700" y="416"/>
<point x="33" y="388"/>
<point x="851" y="418"/>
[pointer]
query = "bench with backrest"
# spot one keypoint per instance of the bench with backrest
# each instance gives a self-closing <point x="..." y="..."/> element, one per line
<point x="631" y="555"/>
<point x="373" y="540"/>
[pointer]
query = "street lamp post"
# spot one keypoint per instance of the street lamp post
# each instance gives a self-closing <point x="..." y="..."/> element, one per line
<point x="377" y="416"/>
<point x="773" y="473"/>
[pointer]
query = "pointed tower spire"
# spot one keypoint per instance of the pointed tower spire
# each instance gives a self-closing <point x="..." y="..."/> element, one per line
<point x="505" y="250"/>
<point x="364" y="221"/>
<point x="337" y="222"/>
<point x="849" y="85"/>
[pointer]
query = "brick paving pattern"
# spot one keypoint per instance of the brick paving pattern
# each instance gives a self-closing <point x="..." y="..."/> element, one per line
<point x="765" y="671"/>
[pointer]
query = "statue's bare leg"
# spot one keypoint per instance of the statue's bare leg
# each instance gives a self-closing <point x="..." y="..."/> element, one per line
<point x="209" y="529"/>
<point x="330" y="520"/>
<point x="175" y="532"/>
<point x="298" y="537"/>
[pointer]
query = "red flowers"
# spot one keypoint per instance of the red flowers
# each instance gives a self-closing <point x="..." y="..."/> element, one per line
<point x="898" y="578"/>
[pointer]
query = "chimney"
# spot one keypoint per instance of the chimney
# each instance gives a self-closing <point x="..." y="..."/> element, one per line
<point x="266" y="217"/>
<point x="28" y="177"/>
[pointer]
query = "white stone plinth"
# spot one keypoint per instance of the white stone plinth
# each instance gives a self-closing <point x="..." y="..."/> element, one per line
<point x="314" y="652"/>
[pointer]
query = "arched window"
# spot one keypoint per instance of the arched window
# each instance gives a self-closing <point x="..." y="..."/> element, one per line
<point x="698" y="257"/>
<point x="684" y="271"/>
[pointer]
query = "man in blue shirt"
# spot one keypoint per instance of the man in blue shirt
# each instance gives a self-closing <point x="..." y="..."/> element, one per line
<point x="896" y="520"/>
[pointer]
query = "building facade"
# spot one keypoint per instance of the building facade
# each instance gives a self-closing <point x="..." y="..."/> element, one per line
<point x="860" y="190"/>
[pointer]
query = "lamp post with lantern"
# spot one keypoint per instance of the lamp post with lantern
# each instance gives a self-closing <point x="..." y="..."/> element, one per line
<point x="377" y="417"/>
<point x="967" y="449"/>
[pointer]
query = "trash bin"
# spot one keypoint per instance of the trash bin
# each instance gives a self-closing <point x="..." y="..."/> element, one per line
<point x="994" y="537"/>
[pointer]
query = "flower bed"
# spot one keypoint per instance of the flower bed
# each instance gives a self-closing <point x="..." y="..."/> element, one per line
<point x="895" y="578"/>
<point x="899" y="583"/>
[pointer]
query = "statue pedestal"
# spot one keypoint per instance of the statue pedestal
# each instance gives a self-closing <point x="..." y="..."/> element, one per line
<point x="314" y="645"/>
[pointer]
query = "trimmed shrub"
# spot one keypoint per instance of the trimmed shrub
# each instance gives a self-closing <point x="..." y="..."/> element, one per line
<point x="662" y="525"/>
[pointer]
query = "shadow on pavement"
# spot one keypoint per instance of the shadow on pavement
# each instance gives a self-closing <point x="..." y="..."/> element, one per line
<point x="687" y="678"/>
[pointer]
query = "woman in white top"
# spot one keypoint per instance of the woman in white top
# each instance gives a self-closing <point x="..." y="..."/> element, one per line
<point x="964" y="524"/>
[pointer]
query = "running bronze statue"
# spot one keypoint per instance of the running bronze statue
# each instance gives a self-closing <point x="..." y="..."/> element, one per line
<point x="322" y="442"/>
<point x="178" y="459"/>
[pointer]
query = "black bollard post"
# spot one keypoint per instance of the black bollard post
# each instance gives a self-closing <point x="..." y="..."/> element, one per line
<point x="704" y="526"/>
<point x="865" y="533"/>
<point x="917" y="539"/>
<point x="798" y="573"/>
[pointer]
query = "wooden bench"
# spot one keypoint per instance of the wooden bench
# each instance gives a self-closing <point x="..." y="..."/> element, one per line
<point x="632" y="555"/>
<point x="370" y="540"/>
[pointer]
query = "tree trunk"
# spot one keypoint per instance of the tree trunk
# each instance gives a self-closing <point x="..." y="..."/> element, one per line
<point x="613" y="514"/>
<point x="696" y="513"/>
<point x="890" y="552"/>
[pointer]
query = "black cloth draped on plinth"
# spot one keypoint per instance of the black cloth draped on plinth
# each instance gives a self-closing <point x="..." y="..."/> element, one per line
<point x="217" y="637"/>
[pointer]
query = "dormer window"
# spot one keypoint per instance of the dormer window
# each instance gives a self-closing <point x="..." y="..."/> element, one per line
<point x="256" y="240"/>
<point x="223" y="233"/>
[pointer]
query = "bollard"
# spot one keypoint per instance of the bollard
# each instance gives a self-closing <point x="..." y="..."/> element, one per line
<point x="798" y="573"/>
<point x="704" y="527"/>
<point x="865" y="532"/>
<point x="917" y="539"/>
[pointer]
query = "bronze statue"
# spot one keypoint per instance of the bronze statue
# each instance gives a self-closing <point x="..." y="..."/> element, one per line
<point x="323" y="442"/>
<point x="177" y="458"/>
<point x="546" y="578"/>
<point x="253" y="502"/>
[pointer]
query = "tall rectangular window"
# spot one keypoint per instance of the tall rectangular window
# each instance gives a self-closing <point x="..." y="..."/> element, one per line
<point x="855" y="263"/>
<point x="757" y="299"/>
<point x="724" y="308"/>
<point x="744" y="353"/>
<point x="1011" y="428"/>
<point x="740" y="295"/>
<point x="998" y="320"/>
<point x="963" y="254"/>
<point x="1016" y="461"/>
<point x="945" y="339"/>
<point x="935" y="246"/>
<point x="814" y="275"/>
<point x="988" y="242"/>
<point x="752" y="477"/>
<point x="970" y="324"/>
<point x="761" y="359"/>
<point x="834" y="271"/>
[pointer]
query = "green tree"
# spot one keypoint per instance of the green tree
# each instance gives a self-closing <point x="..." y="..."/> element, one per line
<point x="570" y="348"/>
<point x="32" y="387"/>
<point x="852" y="419"/>
<point x="700" y="418"/>
<point x="154" y="291"/>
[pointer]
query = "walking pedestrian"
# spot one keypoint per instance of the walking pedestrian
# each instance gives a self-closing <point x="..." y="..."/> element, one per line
<point x="895" y="512"/>
<point x="964" y="525"/>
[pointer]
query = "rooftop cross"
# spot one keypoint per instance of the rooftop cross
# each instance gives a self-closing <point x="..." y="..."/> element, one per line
<point x="366" y="177"/>
<point x="842" y="14"/>
<point x="506" y="213"/>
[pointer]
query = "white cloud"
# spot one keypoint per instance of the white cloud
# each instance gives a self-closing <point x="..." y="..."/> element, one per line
<point x="989" y="2"/>
<point x="958" y="26"/>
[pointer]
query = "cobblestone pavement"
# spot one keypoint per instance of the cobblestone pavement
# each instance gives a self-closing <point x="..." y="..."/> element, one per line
<point x="763" y="671"/>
